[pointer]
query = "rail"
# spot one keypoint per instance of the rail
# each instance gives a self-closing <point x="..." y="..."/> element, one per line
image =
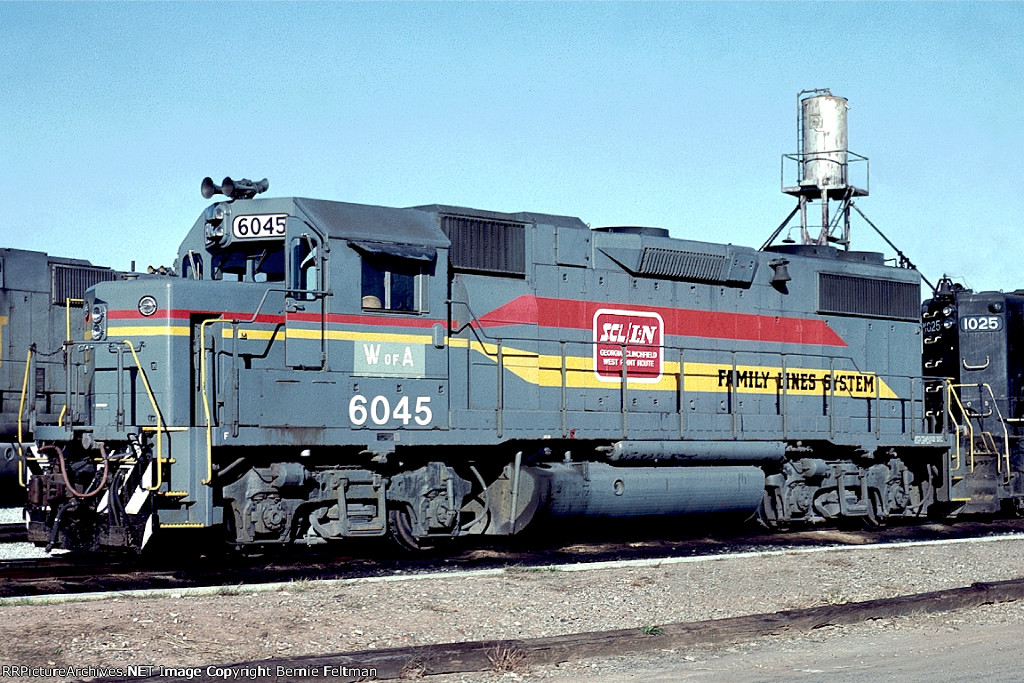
<point x="951" y="398"/>
<point x="160" y="428"/>
<point x="853" y="162"/>
<point x="67" y="316"/>
<point x="22" y="458"/>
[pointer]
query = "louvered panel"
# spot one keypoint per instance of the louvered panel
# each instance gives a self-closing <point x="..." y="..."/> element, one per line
<point x="850" y="295"/>
<point x="681" y="265"/>
<point x="494" y="247"/>
<point x="71" y="282"/>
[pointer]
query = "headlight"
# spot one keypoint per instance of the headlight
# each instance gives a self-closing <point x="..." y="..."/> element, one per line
<point x="99" y="322"/>
<point x="948" y="311"/>
<point x="147" y="305"/>
<point x="214" y="231"/>
<point x="947" y="324"/>
<point x="214" y="235"/>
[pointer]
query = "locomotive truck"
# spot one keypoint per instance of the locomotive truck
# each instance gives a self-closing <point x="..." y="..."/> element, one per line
<point x="321" y="370"/>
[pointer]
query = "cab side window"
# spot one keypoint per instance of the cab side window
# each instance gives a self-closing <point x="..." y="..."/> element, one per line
<point x="392" y="284"/>
<point x="305" y="267"/>
<point x="394" y="276"/>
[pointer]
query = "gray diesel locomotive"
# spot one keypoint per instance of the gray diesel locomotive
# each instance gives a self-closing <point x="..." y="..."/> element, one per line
<point x="321" y="370"/>
<point x="41" y="300"/>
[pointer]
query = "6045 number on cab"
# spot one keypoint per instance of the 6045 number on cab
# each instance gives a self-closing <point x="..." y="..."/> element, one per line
<point x="260" y="226"/>
<point x="379" y="411"/>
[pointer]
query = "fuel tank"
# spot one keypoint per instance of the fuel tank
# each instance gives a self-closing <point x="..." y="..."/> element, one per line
<point x="600" y="490"/>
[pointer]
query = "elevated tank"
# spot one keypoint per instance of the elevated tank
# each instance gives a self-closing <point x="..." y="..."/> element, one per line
<point x="824" y="142"/>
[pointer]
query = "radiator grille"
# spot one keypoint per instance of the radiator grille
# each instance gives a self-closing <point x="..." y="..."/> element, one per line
<point x="682" y="265"/>
<point x="494" y="247"/>
<point x="849" y="295"/>
<point x="70" y="282"/>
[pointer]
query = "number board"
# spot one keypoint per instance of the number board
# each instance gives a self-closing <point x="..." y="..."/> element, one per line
<point x="260" y="226"/>
<point x="981" y="323"/>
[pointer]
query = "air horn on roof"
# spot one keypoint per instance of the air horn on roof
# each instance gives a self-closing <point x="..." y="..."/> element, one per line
<point x="235" y="189"/>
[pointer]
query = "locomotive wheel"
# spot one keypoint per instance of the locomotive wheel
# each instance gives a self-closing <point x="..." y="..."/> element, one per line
<point x="400" y="526"/>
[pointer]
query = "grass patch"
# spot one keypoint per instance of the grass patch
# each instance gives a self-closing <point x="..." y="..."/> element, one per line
<point x="506" y="659"/>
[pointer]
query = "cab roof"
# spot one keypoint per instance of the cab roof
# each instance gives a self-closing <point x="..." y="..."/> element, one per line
<point x="362" y="222"/>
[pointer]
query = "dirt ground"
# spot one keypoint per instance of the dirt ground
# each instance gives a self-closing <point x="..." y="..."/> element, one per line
<point x="179" y="629"/>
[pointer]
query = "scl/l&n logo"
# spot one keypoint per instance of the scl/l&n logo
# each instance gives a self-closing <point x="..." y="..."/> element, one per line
<point x="640" y="334"/>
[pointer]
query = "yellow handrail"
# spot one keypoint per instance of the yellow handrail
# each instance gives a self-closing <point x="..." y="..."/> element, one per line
<point x="1001" y="457"/>
<point x="1006" y="437"/>
<point x="22" y="480"/>
<point x="159" y="420"/>
<point x="206" y="400"/>
<point x="953" y="395"/>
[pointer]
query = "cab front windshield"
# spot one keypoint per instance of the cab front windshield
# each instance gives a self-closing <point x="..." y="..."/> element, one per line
<point x="249" y="263"/>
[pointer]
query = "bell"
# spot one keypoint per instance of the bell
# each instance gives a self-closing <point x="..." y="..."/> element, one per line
<point x="781" y="275"/>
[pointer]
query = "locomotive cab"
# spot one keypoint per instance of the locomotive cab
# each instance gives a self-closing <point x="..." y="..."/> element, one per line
<point x="189" y="374"/>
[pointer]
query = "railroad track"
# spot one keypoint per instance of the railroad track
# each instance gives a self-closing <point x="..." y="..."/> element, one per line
<point x="13" y="532"/>
<point x="71" y="574"/>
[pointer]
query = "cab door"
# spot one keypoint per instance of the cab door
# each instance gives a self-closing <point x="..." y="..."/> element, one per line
<point x="305" y="304"/>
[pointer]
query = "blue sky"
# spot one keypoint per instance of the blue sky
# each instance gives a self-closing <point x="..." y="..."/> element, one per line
<point x="663" y="114"/>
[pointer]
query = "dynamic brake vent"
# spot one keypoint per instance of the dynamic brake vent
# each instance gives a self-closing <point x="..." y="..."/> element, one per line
<point x="868" y="297"/>
<point x="483" y="245"/>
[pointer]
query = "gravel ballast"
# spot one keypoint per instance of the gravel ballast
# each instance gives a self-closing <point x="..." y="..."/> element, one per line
<point x="315" y="618"/>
